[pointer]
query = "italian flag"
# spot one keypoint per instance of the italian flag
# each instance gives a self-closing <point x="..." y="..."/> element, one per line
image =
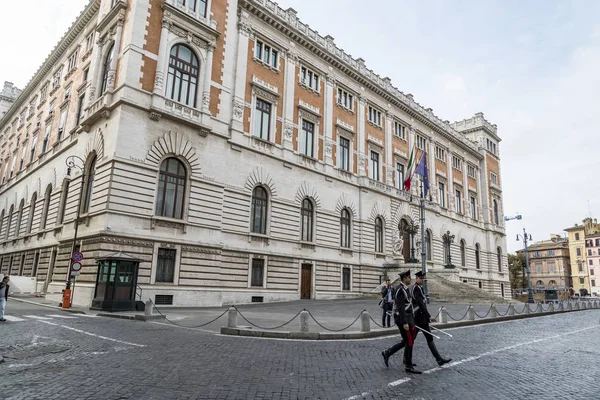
<point x="410" y="170"/>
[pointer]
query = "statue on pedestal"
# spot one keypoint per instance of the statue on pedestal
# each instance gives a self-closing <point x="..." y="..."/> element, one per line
<point x="398" y="247"/>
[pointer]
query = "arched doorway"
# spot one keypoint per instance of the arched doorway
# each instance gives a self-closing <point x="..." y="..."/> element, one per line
<point x="407" y="230"/>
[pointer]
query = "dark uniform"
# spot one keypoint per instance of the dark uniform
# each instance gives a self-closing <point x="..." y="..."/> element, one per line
<point x="422" y="317"/>
<point x="386" y="291"/>
<point x="403" y="314"/>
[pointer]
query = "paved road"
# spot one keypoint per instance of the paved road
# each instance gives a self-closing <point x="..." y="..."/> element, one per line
<point x="50" y="356"/>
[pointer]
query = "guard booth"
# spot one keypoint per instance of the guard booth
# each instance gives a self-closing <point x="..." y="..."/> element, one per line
<point x="116" y="283"/>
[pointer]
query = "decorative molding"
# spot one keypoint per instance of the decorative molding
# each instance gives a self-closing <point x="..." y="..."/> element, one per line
<point x="176" y="144"/>
<point x="309" y="116"/>
<point x="195" y="249"/>
<point x="345" y="201"/>
<point x="119" y="240"/>
<point x="265" y="94"/>
<point x="288" y="131"/>
<point x="379" y="210"/>
<point x="259" y="177"/>
<point x="344" y="125"/>
<point x="307" y="190"/>
<point x="95" y="145"/>
<point x="308" y="107"/>
<point x="238" y="110"/>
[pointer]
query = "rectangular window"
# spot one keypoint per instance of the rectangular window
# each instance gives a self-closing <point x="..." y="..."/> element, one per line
<point x="344" y="154"/>
<point x="374" y="167"/>
<point x="262" y="120"/>
<point x="591" y="262"/>
<point x="459" y="201"/>
<point x="12" y="167"/>
<point x="80" y="109"/>
<point x="551" y="267"/>
<point x="456" y="163"/>
<point x="72" y="61"/>
<point x="578" y="251"/>
<point x="399" y="175"/>
<point x="591" y="272"/>
<point x="23" y="152"/>
<point x="442" y="193"/>
<point x="597" y="242"/>
<point x="346" y="277"/>
<point x="536" y="253"/>
<point x="491" y="146"/>
<point x="46" y="138"/>
<point x="473" y="207"/>
<point x="258" y="272"/>
<point x="32" y="149"/>
<point x="576" y="236"/>
<point x="374" y="116"/>
<point x="89" y="42"/>
<point x="308" y="138"/>
<point x="440" y="154"/>
<point x="399" y="130"/>
<point x="421" y="142"/>
<point x="538" y="268"/>
<point x="345" y="99"/>
<point x="581" y="281"/>
<point x="593" y="282"/>
<point x="550" y="252"/>
<point x="266" y="54"/>
<point x="590" y="252"/>
<point x="493" y="178"/>
<point x="165" y="265"/>
<point x="61" y="123"/>
<point x="309" y="79"/>
<point x="44" y="93"/>
<point x="471" y="171"/>
<point x="56" y="78"/>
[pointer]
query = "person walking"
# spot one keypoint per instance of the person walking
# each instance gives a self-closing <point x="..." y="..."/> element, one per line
<point x="387" y="293"/>
<point x="4" y="287"/>
<point x="423" y="318"/>
<point x="403" y="317"/>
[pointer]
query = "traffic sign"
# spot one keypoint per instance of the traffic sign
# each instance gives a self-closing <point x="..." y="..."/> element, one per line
<point x="75" y="273"/>
<point x="77" y="256"/>
<point x="76" y="266"/>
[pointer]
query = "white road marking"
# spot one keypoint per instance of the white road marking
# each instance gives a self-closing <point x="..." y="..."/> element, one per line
<point x="398" y="382"/>
<point x="36" y="317"/>
<point x="87" y="315"/>
<point x="94" y="335"/>
<point x="60" y="316"/>
<point x="13" y="319"/>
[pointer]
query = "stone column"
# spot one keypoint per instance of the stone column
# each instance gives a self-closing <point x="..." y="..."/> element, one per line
<point x="388" y="150"/>
<point x="159" y="80"/>
<point x="481" y="216"/>
<point x="94" y="76"/>
<point x="207" y="78"/>
<point x="362" y="156"/>
<point x="466" y="197"/>
<point x="451" y="194"/>
<point x="431" y="166"/>
<point x="112" y="73"/>
<point x="328" y="119"/>
<point x="245" y="32"/>
<point x="289" y="85"/>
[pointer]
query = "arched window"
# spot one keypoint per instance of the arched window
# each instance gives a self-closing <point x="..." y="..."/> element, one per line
<point x="496" y="218"/>
<point x="463" y="253"/>
<point x="477" y="256"/>
<point x="378" y="235"/>
<point x="89" y="185"/>
<point x="46" y="208"/>
<point x="63" y="203"/>
<point x="499" y="259"/>
<point x="31" y="213"/>
<point x="552" y="283"/>
<point x="10" y="214"/>
<point x="1" y="226"/>
<point x="307" y="217"/>
<point x="345" y="228"/>
<point x="428" y="248"/>
<point x="403" y="227"/>
<point x="260" y="201"/>
<point x="106" y="68"/>
<point x="171" y="189"/>
<point x="19" y="217"/>
<point x="539" y="283"/>
<point x="182" y="79"/>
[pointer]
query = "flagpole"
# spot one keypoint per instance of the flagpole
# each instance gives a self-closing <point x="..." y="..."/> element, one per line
<point x="423" y="243"/>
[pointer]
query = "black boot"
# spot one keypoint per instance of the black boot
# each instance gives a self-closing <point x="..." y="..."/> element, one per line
<point x="386" y="358"/>
<point x="409" y="367"/>
<point x="411" y="364"/>
<point x="440" y="360"/>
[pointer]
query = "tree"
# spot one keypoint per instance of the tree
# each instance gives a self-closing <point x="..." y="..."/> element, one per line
<point x="516" y="267"/>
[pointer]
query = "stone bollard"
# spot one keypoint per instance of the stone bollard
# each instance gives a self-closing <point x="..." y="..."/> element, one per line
<point x="527" y="309"/>
<point x="511" y="309"/>
<point x="539" y="308"/>
<point x="551" y="308"/>
<point x="365" y="322"/>
<point x="471" y="313"/>
<point x="304" y="327"/>
<point x="577" y="305"/>
<point x="493" y="311"/>
<point x="569" y="306"/>
<point x="561" y="306"/>
<point x="232" y="315"/>
<point x="443" y="316"/>
<point x="149" y="308"/>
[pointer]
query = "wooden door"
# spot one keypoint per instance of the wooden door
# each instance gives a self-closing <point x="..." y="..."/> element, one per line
<point x="306" y="281"/>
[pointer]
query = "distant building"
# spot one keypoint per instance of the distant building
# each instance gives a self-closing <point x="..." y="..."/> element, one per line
<point x="550" y="264"/>
<point x="592" y="250"/>
<point x="578" y="253"/>
<point x="7" y="97"/>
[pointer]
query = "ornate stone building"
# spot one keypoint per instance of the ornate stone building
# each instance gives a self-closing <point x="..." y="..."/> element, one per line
<point x="550" y="264"/>
<point x="240" y="155"/>
<point x="579" y="254"/>
<point x="7" y="96"/>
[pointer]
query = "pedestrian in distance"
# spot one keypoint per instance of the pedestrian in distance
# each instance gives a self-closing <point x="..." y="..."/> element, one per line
<point x="387" y="298"/>
<point x="4" y="287"/>
<point x="403" y="317"/>
<point x="423" y="318"/>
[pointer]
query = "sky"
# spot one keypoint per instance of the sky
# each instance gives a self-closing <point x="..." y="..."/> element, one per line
<point x="532" y="67"/>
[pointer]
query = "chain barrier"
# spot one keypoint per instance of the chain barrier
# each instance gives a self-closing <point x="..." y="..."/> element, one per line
<point x="486" y="314"/>
<point x="264" y="327"/>
<point x="381" y="326"/>
<point x="523" y="310"/>
<point x="185" y="326"/>
<point x="334" y="330"/>
<point x="460" y="319"/>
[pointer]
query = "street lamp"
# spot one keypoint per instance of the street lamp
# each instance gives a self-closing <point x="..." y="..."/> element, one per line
<point x="525" y="237"/>
<point x="411" y="228"/>
<point x="448" y="240"/>
<point x="78" y="163"/>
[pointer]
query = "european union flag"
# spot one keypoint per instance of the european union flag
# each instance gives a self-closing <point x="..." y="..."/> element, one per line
<point x="424" y="172"/>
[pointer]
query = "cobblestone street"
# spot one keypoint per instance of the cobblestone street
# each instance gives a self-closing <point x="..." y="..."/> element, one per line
<point x="50" y="354"/>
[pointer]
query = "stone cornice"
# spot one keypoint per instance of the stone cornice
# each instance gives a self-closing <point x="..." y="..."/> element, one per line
<point x="61" y="48"/>
<point x="286" y="22"/>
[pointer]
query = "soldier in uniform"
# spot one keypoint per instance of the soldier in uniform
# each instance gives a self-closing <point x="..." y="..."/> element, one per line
<point x="403" y="317"/>
<point x="423" y="318"/>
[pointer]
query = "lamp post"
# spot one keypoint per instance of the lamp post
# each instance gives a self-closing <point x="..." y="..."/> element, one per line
<point x="525" y="237"/>
<point x="448" y="240"/>
<point x="74" y="162"/>
<point x="412" y="230"/>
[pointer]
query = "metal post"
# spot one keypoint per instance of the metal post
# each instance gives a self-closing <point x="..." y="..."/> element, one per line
<point x="423" y="243"/>
<point x="529" y="289"/>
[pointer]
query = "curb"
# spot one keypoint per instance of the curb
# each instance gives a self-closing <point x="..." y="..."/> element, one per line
<point x="376" y="333"/>
<point x="49" y="306"/>
<point x="133" y="317"/>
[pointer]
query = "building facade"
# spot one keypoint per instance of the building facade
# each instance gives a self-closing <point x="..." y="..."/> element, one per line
<point x="592" y="249"/>
<point x="240" y="155"/>
<point x="550" y="264"/>
<point x="578" y="251"/>
<point x="7" y="97"/>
